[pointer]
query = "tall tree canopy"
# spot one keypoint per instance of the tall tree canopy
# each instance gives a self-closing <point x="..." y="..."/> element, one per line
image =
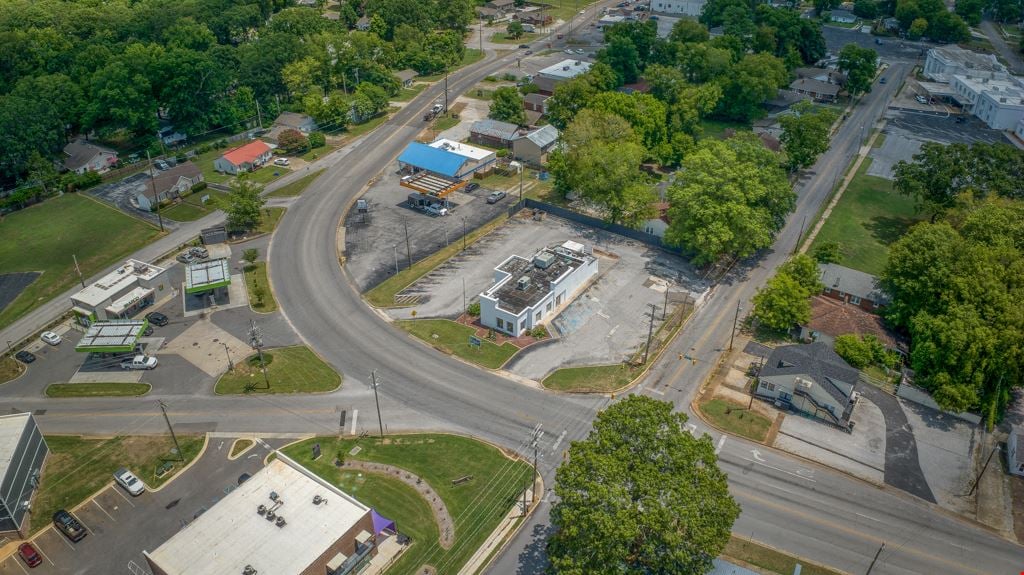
<point x="805" y="133"/>
<point x="860" y="65"/>
<point x="640" y="495"/>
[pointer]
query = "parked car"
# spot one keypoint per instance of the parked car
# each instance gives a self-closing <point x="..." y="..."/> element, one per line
<point x="68" y="525"/>
<point x="127" y="479"/>
<point x="878" y="41"/>
<point x="568" y="51"/>
<point x="281" y="162"/>
<point x="50" y="338"/>
<point x="161" y="165"/>
<point x="882" y="80"/>
<point x="436" y="210"/>
<point x="199" y="252"/>
<point x="148" y="331"/>
<point x="139" y="362"/>
<point x="156" y="318"/>
<point x="186" y="258"/>
<point x="25" y="356"/>
<point x="578" y="50"/>
<point x="921" y="99"/>
<point x="29" y="554"/>
<point x="472" y="186"/>
<point x="243" y="478"/>
<point x="496" y="197"/>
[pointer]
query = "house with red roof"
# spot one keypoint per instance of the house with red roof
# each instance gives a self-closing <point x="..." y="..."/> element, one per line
<point x="244" y="158"/>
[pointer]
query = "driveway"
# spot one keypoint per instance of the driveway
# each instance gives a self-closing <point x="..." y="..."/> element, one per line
<point x="119" y="194"/>
<point x="1006" y="51"/>
<point x="902" y="466"/>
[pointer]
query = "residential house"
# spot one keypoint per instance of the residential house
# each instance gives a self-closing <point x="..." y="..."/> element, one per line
<point x="533" y="147"/>
<point x="553" y="75"/>
<point x="290" y="121"/>
<point x="82" y="156"/>
<point x="816" y="89"/>
<point x="657" y="225"/>
<point x="852" y="287"/>
<point x="1015" y="450"/>
<point x="842" y="16"/>
<point x="822" y="75"/>
<point x="494" y="133"/>
<point x="535" y="17"/>
<point x="169" y="184"/>
<point x="831" y="318"/>
<point x="244" y="158"/>
<point x="536" y="102"/>
<point x="502" y="5"/>
<point x="406" y="77"/>
<point x="363" y="23"/>
<point x="692" y="8"/>
<point x="810" y="378"/>
<point x="487" y="13"/>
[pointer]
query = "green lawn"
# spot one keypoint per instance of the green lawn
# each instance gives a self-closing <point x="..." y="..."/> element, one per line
<point x="453" y="338"/>
<point x="290" y="370"/>
<point x="262" y="175"/>
<point x="271" y="217"/>
<point x="869" y="216"/>
<point x="476" y="506"/>
<point x="297" y="187"/>
<point x="716" y="128"/>
<point x="562" y="9"/>
<point x="10" y="368"/>
<point x="504" y="38"/>
<point x="479" y="93"/>
<point x="601" y="378"/>
<point x="442" y="123"/>
<point x="317" y="153"/>
<point x="406" y="94"/>
<point x="77" y="467"/>
<point x="43" y="238"/>
<point x="256" y="275"/>
<point x="736" y="419"/>
<point x="191" y="208"/>
<point x="97" y="389"/>
<point x="771" y="560"/>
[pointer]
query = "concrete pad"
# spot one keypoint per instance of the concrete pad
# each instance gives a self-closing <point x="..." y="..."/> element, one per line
<point x="217" y="251"/>
<point x="861" y="453"/>
<point x="474" y="110"/>
<point x="946" y="449"/>
<point x="201" y="345"/>
<point x="896" y="148"/>
<point x="111" y="376"/>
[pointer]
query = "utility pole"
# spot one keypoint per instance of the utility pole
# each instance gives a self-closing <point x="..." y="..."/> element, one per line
<point x="10" y="348"/>
<point x="152" y="183"/>
<point x="481" y="34"/>
<point x="735" y="319"/>
<point x="521" y="170"/>
<point x="256" y="341"/>
<point x="977" y="479"/>
<point x="259" y="113"/>
<point x="877" y="553"/>
<point x="664" y="308"/>
<point x="163" y="408"/>
<point x="800" y="236"/>
<point x="78" y="270"/>
<point x="227" y="351"/>
<point x="650" y="330"/>
<point x="537" y="434"/>
<point x="376" y="398"/>
<point x="396" y="258"/>
<point x="446" y="89"/>
<point x="463" y="233"/>
<point x="408" y="249"/>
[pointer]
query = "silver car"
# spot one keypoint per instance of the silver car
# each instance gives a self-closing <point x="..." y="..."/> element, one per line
<point x="127" y="479"/>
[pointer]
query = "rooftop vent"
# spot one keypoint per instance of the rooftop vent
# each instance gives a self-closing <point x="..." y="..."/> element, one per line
<point x="317" y="500"/>
<point x="271" y="515"/>
<point x="249" y="570"/>
<point x="262" y="509"/>
<point x="544" y="260"/>
<point x="280" y="521"/>
<point x="565" y="68"/>
<point x="523" y="283"/>
<point x="273" y="496"/>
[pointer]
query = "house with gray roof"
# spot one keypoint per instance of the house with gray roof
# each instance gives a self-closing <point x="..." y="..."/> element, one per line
<point x="816" y="89"/>
<point x="842" y="16"/>
<point x="810" y="378"/>
<point x="405" y="77"/>
<point x="493" y="133"/>
<point x="533" y="147"/>
<point x="853" y="287"/>
<point x="82" y="156"/>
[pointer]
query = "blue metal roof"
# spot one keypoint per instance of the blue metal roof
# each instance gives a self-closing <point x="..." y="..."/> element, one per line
<point x="432" y="159"/>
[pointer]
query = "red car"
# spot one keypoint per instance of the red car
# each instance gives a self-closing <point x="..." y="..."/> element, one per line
<point x="29" y="554"/>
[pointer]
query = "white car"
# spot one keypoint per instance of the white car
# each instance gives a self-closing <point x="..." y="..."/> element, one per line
<point x="139" y="362"/>
<point x="50" y="338"/>
<point x="281" y="162"/>
<point x="921" y="99"/>
<point x="127" y="479"/>
<point x="436" y="209"/>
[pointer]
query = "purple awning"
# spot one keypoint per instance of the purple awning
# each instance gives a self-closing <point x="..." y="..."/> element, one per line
<point x="381" y="523"/>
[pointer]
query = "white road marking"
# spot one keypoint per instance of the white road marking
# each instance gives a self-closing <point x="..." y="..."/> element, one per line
<point x="220" y="446"/>
<point x="659" y="392"/>
<point x="40" y="550"/>
<point x="97" y="504"/>
<point x="128" y="501"/>
<point x="691" y="428"/>
<point x="355" y="417"/>
<point x="612" y="330"/>
<point x="867" y="517"/>
<point x="604" y="315"/>
<point x="65" y="540"/>
<point x="721" y="443"/>
<point x="778" y="469"/>
<point x="757" y="456"/>
<point x="554" y="446"/>
<point x="18" y="563"/>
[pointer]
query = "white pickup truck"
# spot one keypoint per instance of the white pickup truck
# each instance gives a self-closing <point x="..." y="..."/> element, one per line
<point x="139" y="362"/>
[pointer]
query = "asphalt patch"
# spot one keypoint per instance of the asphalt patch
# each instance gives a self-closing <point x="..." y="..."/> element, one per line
<point x="11" y="285"/>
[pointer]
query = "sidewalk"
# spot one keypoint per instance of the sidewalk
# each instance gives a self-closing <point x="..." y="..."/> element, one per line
<point x="502" y="533"/>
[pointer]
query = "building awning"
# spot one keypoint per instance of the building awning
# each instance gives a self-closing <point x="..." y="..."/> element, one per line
<point x="337" y="561"/>
<point x="208" y="275"/>
<point x="116" y="336"/>
<point x="127" y="300"/>
<point x="381" y="523"/>
<point x="362" y="537"/>
<point x="430" y="184"/>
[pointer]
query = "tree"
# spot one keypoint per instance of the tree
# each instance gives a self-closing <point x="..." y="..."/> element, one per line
<point x="945" y="26"/>
<point x="368" y="101"/>
<point x="782" y="303"/>
<point x="729" y="199"/>
<point x="828" y="253"/>
<point x="515" y="29"/>
<point x="749" y="84"/>
<point x="250" y="255"/>
<point x="293" y="141"/>
<point x="685" y="30"/>
<point x="805" y="133"/>
<point x="317" y="140"/>
<point x="854" y="350"/>
<point x="568" y="99"/>
<point x="867" y="9"/>
<point x="243" y="205"/>
<point x="804" y="270"/>
<point x="507" y="106"/>
<point x="622" y="56"/>
<point x="970" y="10"/>
<point x="860" y="65"/>
<point x="917" y="29"/>
<point x="642" y="494"/>
<point x="643" y="112"/>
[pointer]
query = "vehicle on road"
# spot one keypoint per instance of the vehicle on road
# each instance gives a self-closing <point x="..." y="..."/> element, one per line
<point x="281" y="162"/>
<point x="25" y="356"/>
<point x="139" y="362"/>
<point x="524" y="46"/>
<point x="878" y="41"/>
<point x="29" y="555"/>
<point x="496" y="197"/>
<point x="50" y="338"/>
<point x="436" y="210"/>
<point x="882" y="80"/>
<point x="528" y="52"/>
<point x="68" y="525"/>
<point x="578" y="50"/>
<point x="472" y="186"/>
<point x="156" y="318"/>
<point x="243" y="478"/>
<point x="127" y="479"/>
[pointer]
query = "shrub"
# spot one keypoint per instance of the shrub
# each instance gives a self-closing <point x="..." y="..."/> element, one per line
<point x="854" y="350"/>
<point x="317" y="140"/>
<point x="474" y="309"/>
<point x="199" y="187"/>
<point x="501" y="153"/>
<point x="509" y="77"/>
<point x="539" y="332"/>
<point x="530" y="88"/>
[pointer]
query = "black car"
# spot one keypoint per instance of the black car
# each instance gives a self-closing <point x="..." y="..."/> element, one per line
<point x="524" y="46"/>
<point x="148" y="331"/>
<point x="25" y="357"/>
<point x="158" y="319"/>
<point x="68" y="525"/>
<point x="472" y="186"/>
<point x="243" y="478"/>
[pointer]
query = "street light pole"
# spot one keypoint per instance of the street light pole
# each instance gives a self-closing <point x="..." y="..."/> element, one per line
<point x="650" y="331"/>
<point x="735" y="319"/>
<point x="163" y="408"/>
<point x="376" y="399"/>
<point x="227" y="351"/>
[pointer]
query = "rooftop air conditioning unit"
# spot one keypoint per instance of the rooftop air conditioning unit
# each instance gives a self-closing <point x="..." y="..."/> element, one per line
<point x="317" y="500"/>
<point x="280" y="521"/>
<point x="273" y="496"/>
<point x="249" y="570"/>
<point x="261" y="509"/>
<point x="544" y="260"/>
<point x="565" y="68"/>
<point x="803" y="383"/>
<point x="271" y="515"/>
<point x="523" y="283"/>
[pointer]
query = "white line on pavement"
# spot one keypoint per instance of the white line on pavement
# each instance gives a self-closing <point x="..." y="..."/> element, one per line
<point x="40" y="550"/>
<point x="18" y="563"/>
<point x="355" y="417"/>
<point x="554" y="446"/>
<point x="867" y="517"/>
<point x="778" y="469"/>
<point x="721" y="443"/>
<point x="65" y="540"/>
<point x="126" y="500"/>
<point x="97" y="504"/>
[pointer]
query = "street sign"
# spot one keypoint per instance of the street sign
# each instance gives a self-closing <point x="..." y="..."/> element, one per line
<point x="474" y="341"/>
<point x="204" y="199"/>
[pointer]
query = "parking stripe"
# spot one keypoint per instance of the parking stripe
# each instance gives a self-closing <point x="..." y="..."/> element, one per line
<point x="35" y="544"/>
<point x="126" y="500"/>
<point x="97" y="503"/>
<point x="65" y="540"/>
<point x="18" y="563"/>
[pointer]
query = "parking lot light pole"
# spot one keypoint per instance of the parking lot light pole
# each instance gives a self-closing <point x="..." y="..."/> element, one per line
<point x="10" y="349"/>
<point x="227" y="351"/>
<point x="396" y="258"/>
<point x="376" y="399"/>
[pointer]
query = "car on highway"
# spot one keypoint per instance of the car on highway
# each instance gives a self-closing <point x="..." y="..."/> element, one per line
<point x="139" y="362"/>
<point x="578" y="50"/>
<point x="524" y="46"/>
<point x="29" y="555"/>
<point x="472" y="186"/>
<point x="496" y="197"/>
<point x="568" y="51"/>
<point x="50" y="338"/>
<point x="148" y="331"/>
<point x="127" y="479"/>
<point x="25" y="356"/>
<point x="281" y="162"/>
<point x="68" y="525"/>
<point x="156" y="318"/>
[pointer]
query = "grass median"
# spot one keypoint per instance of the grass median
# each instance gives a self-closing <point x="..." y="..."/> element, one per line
<point x="10" y="368"/>
<point x="771" y="560"/>
<point x="295" y="188"/>
<point x="289" y="369"/>
<point x="78" y="466"/>
<point x="261" y="297"/>
<point x="736" y="419"/>
<point x="598" y="378"/>
<point x="97" y="389"/>
<point x="452" y="337"/>
<point x="476" y="506"/>
<point x="383" y="295"/>
<point x="239" y="446"/>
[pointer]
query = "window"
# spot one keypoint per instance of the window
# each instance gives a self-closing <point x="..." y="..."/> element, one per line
<point x="768" y="385"/>
<point x="548" y="308"/>
<point x="537" y="317"/>
<point x="501" y="323"/>
<point x="827" y="290"/>
<point x="854" y="300"/>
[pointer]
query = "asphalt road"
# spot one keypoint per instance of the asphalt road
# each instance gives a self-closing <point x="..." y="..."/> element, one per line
<point x="793" y="505"/>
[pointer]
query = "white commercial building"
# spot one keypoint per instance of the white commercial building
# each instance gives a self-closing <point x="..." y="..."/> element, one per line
<point x="1019" y="131"/>
<point x="997" y="102"/>
<point x="944" y="62"/>
<point x="547" y="78"/>
<point x="681" y="7"/>
<point x="120" y="294"/>
<point x="22" y="453"/>
<point x="526" y="292"/>
<point x="282" y="520"/>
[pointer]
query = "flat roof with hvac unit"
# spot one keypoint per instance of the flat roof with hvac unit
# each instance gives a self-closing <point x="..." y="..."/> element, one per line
<point x="430" y="184"/>
<point x="208" y="275"/>
<point x="114" y="336"/>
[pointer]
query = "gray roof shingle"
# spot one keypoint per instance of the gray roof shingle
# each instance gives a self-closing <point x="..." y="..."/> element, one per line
<point x="815" y="360"/>
<point x="495" y="129"/>
<point x="853" y="282"/>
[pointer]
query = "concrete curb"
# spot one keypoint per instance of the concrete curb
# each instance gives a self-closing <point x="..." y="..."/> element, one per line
<point x="202" y="451"/>
<point x="252" y="444"/>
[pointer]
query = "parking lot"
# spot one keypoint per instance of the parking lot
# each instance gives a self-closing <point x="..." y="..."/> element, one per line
<point x="120" y="194"/>
<point x="604" y="324"/>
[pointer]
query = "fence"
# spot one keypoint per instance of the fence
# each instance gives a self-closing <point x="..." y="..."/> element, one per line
<point x="919" y="396"/>
<point x="565" y="213"/>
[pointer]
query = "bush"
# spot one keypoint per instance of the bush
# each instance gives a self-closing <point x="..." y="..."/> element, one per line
<point x="509" y="77"/>
<point x="539" y="332"/>
<point x="491" y="79"/>
<point x="530" y="88"/>
<point x="828" y="253"/>
<point x="501" y="153"/>
<point x="254" y="360"/>
<point x="854" y="350"/>
<point x="474" y="309"/>
<point x="317" y="140"/>
<point x="199" y="187"/>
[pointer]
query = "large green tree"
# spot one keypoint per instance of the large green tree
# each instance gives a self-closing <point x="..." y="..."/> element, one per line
<point x="749" y="84"/>
<point x="640" y="495"/>
<point x="782" y="303"/>
<point x="243" y="205"/>
<point x="805" y="133"/>
<point x="860" y="65"/>
<point x="507" y="106"/>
